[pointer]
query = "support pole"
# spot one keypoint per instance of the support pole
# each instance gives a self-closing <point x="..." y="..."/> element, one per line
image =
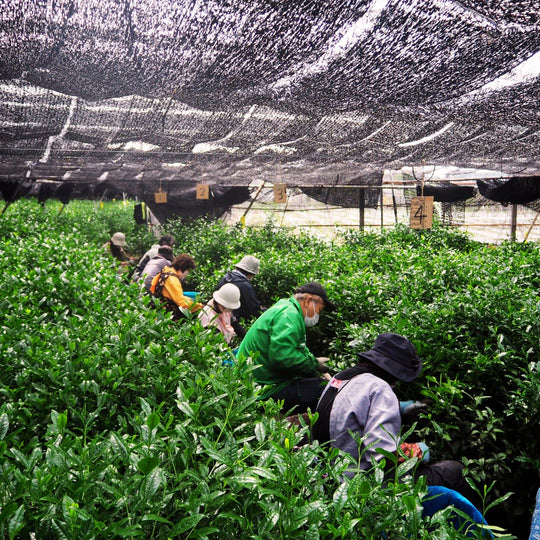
<point x="531" y="227"/>
<point x="514" y="223"/>
<point x="394" y="204"/>
<point x="243" y="217"/>
<point x="382" y="211"/>
<point x="361" y="207"/>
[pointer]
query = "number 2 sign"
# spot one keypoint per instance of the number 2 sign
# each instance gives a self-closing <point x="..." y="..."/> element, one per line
<point x="203" y="191"/>
<point x="421" y="213"/>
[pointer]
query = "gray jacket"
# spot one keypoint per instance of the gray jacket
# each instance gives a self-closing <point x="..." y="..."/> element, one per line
<point x="143" y="261"/>
<point x="364" y="404"/>
<point x="152" y="269"/>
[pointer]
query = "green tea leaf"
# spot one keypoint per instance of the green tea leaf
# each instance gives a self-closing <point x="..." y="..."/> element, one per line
<point x="4" y="425"/>
<point x="261" y="471"/>
<point x="245" y="478"/>
<point x="340" y="496"/>
<point x="260" y="431"/>
<point x="61" y="422"/>
<point x="185" y="407"/>
<point x="186" y="524"/>
<point x="155" y="517"/>
<point x="147" y="465"/>
<point x="16" y="523"/>
<point x="152" y="482"/>
<point x="152" y="420"/>
<point x="118" y="445"/>
<point x="405" y="467"/>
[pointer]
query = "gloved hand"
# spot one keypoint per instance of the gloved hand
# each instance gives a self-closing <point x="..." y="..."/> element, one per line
<point x="322" y="367"/>
<point x="411" y="408"/>
<point x="418" y="450"/>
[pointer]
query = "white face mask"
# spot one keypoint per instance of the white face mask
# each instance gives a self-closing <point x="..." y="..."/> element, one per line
<point x="312" y="321"/>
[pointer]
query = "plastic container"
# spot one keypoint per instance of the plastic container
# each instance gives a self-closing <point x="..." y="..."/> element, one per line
<point x="191" y="294"/>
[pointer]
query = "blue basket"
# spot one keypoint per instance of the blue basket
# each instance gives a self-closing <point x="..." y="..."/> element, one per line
<point x="191" y="294"/>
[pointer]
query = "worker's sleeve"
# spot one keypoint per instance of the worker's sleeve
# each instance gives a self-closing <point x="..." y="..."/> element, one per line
<point x="287" y="351"/>
<point x="251" y="305"/>
<point x="139" y="268"/>
<point x="382" y="424"/>
<point x="208" y="317"/>
<point x="124" y="256"/>
<point x="154" y="283"/>
<point x="173" y="291"/>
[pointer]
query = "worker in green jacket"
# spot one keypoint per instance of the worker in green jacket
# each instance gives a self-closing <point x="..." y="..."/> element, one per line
<point x="277" y="343"/>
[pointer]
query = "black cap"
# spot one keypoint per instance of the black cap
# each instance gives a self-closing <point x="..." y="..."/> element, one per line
<point x="316" y="288"/>
<point x="166" y="252"/>
<point x="396" y="355"/>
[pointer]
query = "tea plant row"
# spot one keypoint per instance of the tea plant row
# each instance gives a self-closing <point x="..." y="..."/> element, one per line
<point x="114" y="422"/>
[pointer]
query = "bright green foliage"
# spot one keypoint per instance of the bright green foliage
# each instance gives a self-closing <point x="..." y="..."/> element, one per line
<point x="117" y="423"/>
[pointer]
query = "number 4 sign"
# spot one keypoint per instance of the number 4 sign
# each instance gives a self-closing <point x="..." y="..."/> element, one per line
<point x="421" y="212"/>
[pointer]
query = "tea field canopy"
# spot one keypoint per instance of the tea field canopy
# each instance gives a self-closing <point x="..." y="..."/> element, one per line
<point x="145" y="96"/>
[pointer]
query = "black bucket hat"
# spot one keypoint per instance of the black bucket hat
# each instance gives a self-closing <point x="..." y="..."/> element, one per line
<point x="316" y="288"/>
<point x="396" y="355"/>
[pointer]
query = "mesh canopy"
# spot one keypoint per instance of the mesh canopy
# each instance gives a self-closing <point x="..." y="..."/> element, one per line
<point x="140" y="92"/>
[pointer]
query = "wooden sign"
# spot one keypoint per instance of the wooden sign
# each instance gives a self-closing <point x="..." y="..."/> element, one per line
<point x="421" y="212"/>
<point x="280" y="193"/>
<point x="160" y="197"/>
<point x="203" y="191"/>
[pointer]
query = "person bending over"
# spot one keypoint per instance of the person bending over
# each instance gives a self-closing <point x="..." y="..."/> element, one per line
<point x="276" y="342"/>
<point x="359" y="403"/>
<point x="167" y="286"/>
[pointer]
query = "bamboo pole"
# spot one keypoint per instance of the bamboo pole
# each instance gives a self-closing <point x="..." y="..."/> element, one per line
<point x="531" y="227"/>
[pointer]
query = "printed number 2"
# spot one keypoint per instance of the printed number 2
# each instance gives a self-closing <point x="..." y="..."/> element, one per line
<point x="202" y="191"/>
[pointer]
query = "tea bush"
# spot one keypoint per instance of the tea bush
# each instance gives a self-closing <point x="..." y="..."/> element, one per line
<point x="115" y="422"/>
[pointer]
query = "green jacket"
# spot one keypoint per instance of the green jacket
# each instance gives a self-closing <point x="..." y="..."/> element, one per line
<point x="277" y="342"/>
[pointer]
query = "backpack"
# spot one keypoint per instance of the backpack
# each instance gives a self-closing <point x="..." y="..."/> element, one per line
<point x="158" y="293"/>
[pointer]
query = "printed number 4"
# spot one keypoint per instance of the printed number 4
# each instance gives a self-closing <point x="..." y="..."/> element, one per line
<point x="420" y="213"/>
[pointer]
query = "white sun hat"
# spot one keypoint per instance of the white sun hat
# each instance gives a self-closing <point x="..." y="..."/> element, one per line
<point x="119" y="239"/>
<point x="228" y="296"/>
<point x="250" y="264"/>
